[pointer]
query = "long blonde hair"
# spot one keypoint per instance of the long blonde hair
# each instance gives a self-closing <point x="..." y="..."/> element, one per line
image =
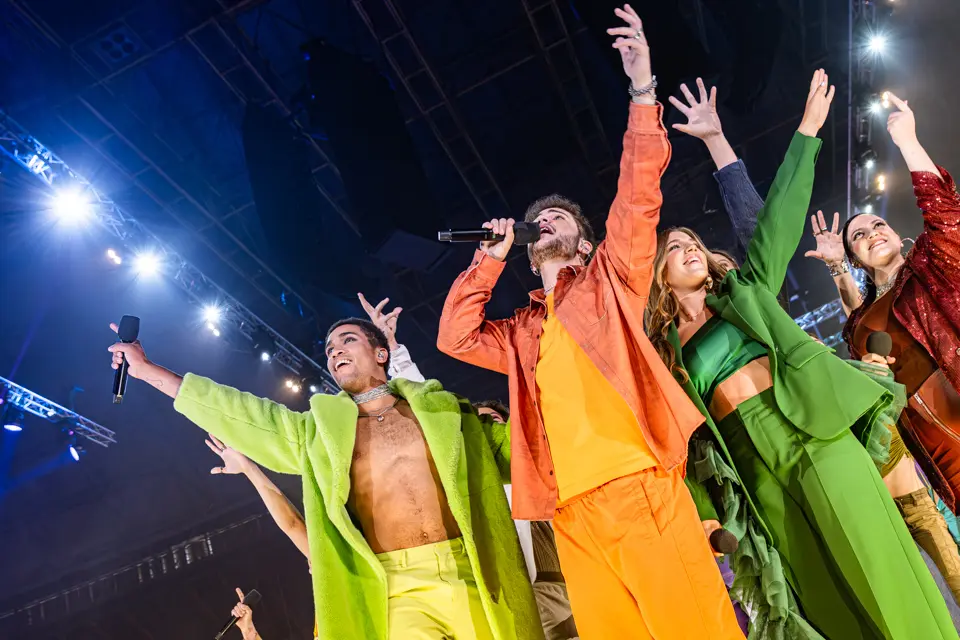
<point x="663" y="305"/>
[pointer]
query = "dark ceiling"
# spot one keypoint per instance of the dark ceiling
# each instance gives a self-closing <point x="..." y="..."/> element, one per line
<point x="146" y="100"/>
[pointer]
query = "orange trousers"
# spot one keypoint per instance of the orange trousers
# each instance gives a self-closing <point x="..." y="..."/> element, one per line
<point x="638" y="565"/>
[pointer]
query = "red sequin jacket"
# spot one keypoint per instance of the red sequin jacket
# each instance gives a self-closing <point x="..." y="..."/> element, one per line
<point x="927" y="290"/>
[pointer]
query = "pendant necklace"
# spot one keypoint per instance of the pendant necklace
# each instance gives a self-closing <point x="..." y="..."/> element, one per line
<point x="379" y="416"/>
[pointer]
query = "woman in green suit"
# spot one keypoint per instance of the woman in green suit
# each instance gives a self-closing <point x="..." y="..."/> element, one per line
<point x="792" y="479"/>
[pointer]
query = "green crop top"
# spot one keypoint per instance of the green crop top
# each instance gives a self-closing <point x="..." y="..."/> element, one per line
<point x="716" y="351"/>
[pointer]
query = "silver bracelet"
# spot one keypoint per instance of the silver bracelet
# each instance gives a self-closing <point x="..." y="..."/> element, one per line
<point x="838" y="270"/>
<point x="644" y="90"/>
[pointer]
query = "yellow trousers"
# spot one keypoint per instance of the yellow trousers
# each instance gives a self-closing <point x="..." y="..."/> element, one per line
<point x="433" y="595"/>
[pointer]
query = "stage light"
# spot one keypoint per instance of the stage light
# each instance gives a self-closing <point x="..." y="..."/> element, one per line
<point x="74" y="453"/>
<point x="13" y="421"/>
<point x="212" y="313"/>
<point x="289" y="383"/>
<point x="146" y="264"/>
<point x="877" y="43"/>
<point x="881" y="182"/>
<point x="869" y="164"/>
<point x="263" y="344"/>
<point x="314" y="389"/>
<point x="71" y="207"/>
<point x="213" y="329"/>
<point x="868" y="208"/>
<point x="114" y="257"/>
<point x="875" y="108"/>
<point x="885" y="100"/>
<point x="295" y="388"/>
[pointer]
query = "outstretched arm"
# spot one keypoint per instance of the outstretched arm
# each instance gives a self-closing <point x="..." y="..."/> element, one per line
<point x="740" y="198"/>
<point x="631" y="240"/>
<point x="266" y="431"/>
<point x="780" y="223"/>
<point x="282" y="511"/>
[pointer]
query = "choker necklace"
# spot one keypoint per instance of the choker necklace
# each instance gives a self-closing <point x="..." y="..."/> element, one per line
<point x="373" y="394"/>
<point x="883" y="288"/>
<point x="379" y="416"/>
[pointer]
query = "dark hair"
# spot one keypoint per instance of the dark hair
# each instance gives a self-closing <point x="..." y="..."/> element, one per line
<point x="557" y="201"/>
<point x="494" y="405"/>
<point x="727" y="255"/>
<point x="376" y="337"/>
<point x="869" y="290"/>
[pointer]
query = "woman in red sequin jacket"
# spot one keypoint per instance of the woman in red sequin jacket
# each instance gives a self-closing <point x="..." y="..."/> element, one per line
<point x="915" y="299"/>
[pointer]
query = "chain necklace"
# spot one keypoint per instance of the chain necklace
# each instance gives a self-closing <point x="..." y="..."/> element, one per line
<point x="379" y="416"/>
<point x="373" y="394"/>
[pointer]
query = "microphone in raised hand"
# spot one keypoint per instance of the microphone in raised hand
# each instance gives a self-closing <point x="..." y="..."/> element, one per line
<point x="128" y="331"/>
<point x="246" y="603"/>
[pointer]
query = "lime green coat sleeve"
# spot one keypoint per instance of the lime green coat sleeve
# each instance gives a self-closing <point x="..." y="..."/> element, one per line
<point x="265" y="431"/>
<point x="779" y="228"/>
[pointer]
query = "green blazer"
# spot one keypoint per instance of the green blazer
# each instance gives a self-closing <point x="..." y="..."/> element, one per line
<point x="349" y="583"/>
<point x="818" y="392"/>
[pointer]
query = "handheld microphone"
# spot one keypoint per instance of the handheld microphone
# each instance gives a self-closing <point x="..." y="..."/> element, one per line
<point x="250" y="599"/>
<point x="524" y="233"/>
<point x="128" y="331"/>
<point x="880" y="343"/>
<point x="724" y="542"/>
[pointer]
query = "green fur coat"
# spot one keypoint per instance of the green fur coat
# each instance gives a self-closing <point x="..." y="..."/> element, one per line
<point x="349" y="584"/>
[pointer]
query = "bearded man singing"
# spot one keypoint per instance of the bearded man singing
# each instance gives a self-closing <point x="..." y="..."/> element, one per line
<point x="599" y="426"/>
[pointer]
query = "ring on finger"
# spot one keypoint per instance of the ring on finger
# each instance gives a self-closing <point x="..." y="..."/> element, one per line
<point x="638" y="35"/>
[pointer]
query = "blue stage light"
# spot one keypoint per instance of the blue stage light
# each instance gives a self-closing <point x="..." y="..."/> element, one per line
<point x="74" y="453"/>
<point x="71" y="207"/>
<point x="146" y="264"/>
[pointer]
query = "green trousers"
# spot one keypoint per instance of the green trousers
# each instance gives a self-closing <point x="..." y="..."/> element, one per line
<point x="846" y="551"/>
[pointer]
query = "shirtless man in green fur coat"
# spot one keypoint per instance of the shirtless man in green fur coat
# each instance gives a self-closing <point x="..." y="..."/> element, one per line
<point x="409" y="528"/>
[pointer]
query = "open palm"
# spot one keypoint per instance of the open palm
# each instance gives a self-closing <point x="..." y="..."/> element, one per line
<point x="702" y="119"/>
<point x="829" y="242"/>
<point x="233" y="461"/>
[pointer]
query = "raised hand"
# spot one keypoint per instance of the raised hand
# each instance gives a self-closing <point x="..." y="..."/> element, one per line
<point x="829" y="243"/>
<point x="132" y="352"/>
<point x="386" y="322"/>
<point x="818" y="104"/>
<point x="233" y="461"/>
<point x="498" y="249"/>
<point x="902" y="124"/>
<point x="634" y="51"/>
<point x="244" y="616"/>
<point x="702" y="119"/>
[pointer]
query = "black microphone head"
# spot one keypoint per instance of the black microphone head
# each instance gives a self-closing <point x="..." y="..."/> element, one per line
<point x="252" y="598"/>
<point x="525" y="232"/>
<point x="880" y="343"/>
<point x="129" y="328"/>
<point x="724" y="542"/>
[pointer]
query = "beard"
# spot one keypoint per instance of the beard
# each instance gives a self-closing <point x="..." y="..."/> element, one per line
<point x="555" y="248"/>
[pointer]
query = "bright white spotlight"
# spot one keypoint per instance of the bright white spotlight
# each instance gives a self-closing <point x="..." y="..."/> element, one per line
<point x="875" y="107"/>
<point x="868" y="208"/>
<point x="114" y="257"/>
<point x="265" y="356"/>
<point x="314" y="389"/>
<point x="885" y="100"/>
<point x="877" y="44"/>
<point x="212" y="313"/>
<point x="146" y="264"/>
<point x="289" y="383"/>
<point x="881" y="182"/>
<point x="74" y="453"/>
<point x="869" y="164"/>
<point x="295" y="388"/>
<point x="215" y="332"/>
<point x="71" y="207"/>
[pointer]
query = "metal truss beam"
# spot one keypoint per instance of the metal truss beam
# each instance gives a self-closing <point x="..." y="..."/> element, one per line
<point x="263" y="269"/>
<point x="119" y="582"/>
<point x="472" y="168"/>
<point x="572" y="88"/>
<point x="819" y="315"/>
<point x="39" y="160"/>
<point x="30" y="402"/>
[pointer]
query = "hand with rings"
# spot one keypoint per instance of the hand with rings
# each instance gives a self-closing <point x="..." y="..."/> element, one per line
<point x="829" y="243"/>
<point x="233" y="461"/>
<point x="632" y="45"/>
